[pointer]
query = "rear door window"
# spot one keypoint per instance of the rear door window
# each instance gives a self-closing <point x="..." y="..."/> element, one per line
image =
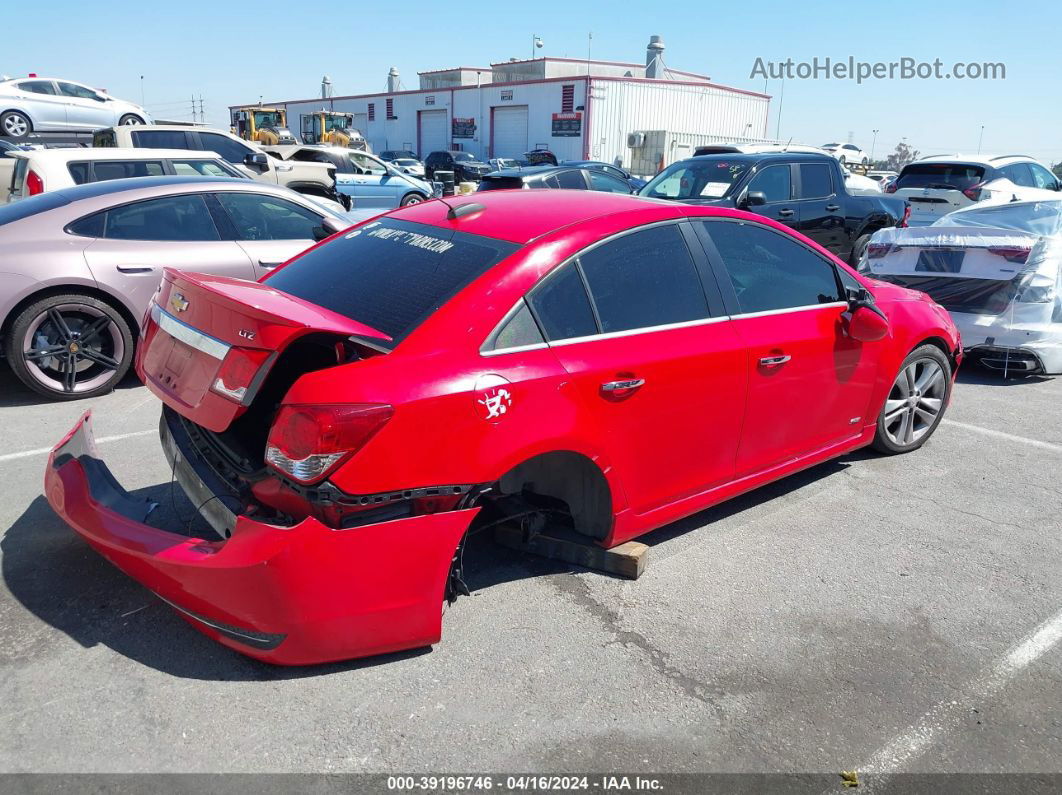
<point x="104" y="170"/>
<point x="203" y="168"/>
<point x="176" y="218"/>
<point x="769" y="271"/>
<point x="1019" y="174"/>
<point x="572" y="180"/>
<point x="37" y="86"/>
<point x="644" y="279"/>
<point x="79" y="172"/>
<point x="606" y="182"/>
<point x="390" y="274"/>
<point x="160" y="139"/>
<point x="942" y="176"/>
<point x="815" y="181"/>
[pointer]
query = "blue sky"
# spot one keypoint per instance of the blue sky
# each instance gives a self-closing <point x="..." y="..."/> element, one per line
<point x="236" y="52"/>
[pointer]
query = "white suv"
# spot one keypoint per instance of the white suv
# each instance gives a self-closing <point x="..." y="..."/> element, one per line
<point x="40" y="170"/>
<point x="847" y="153"/>
<point x="938" y="185"/>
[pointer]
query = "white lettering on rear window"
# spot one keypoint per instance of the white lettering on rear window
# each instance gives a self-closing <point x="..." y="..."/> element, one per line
<point x="427" y="242"/>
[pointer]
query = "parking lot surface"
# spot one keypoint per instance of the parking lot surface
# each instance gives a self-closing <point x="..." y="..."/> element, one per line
<point x="894" y="614"/>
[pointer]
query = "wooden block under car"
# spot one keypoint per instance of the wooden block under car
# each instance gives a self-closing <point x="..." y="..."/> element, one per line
<point x="626" y="560"/>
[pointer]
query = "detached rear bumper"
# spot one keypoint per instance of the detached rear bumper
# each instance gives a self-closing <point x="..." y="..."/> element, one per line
<point x="288" y="595"/>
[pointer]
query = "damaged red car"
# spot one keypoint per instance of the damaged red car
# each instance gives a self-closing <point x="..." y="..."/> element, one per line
<point x="345" y="423"/>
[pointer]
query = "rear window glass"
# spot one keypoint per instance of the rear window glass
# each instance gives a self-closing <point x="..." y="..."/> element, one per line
<point x="24" y="208"/>
<point x="390" y="274"/>
<point x="942" y="176"/>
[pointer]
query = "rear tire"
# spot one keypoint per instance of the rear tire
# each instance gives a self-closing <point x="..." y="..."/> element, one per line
<point x="15" y="125"/>
<point x="70" y="346"/>
<point x="858" y="248"/>
<point x="916" y="402"/>
<point x="130" y="120"/>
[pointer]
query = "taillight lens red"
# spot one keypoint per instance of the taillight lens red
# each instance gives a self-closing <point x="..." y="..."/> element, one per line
<point x="973" y="193"/>
<point x="906" y="216"/>
<point x="237" y="372"/>
<point x="34" y="183"/>
<point x="306" y="443"/>
<point x="1010" y="253"/>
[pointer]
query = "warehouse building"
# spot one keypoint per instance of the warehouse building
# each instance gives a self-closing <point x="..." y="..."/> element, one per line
<point x="639" y="115"/>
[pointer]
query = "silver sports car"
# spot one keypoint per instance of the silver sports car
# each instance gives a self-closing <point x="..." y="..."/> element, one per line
<point x="81" y="264"/>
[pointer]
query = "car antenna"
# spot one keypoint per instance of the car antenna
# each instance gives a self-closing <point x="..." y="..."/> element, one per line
<point x="786" y="147"/>
<point x="456" y="211"/>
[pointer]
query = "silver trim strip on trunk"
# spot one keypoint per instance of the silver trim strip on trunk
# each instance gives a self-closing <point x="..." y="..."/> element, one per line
<point x="188" y="335"/>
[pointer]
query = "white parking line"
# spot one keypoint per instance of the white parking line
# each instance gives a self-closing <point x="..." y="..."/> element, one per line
<point x="1057" y="448"/>
<point x="947" y="715"/>
<point x="101" y="440"/>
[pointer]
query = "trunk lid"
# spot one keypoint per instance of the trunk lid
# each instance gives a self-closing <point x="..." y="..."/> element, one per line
<point x="208" y="342"/>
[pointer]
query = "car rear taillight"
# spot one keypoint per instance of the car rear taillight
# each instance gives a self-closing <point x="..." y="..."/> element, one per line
<point x="237" y="373"/>
<point x="906" y="216"/>
<point x="877" y="250"/>
<point x="34" y="183"/>
<point x="973" y="193"/>
<point x="1010" y="253"/>
<point x="307" y="442"/>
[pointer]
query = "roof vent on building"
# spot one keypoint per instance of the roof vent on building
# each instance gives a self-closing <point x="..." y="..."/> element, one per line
<point x="326" y="87"/>
<point x="394" y="82"/>
<point x="654" y="58"/>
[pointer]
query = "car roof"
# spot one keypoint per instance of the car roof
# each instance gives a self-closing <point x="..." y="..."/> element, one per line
<point x="185" y="127"/>
<point x="114" y="153"/>
<point x="758" y="157"/>
<point x="520" y="216"/>
<point x="981" y="160"/>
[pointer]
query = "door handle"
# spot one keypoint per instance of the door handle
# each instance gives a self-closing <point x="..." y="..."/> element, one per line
<point x="264" y="264"/>
<point x="833" y="207"/>
<point x="285" y="168"/>
<point x="134" y="268"/>
<point x="785" y="213"/>
<point x="771" y="361"/>
<point x="617" y="386"/>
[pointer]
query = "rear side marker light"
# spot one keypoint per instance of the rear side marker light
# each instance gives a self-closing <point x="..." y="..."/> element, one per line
<point x="307" y="442"/>
<point x="238" y="371"/>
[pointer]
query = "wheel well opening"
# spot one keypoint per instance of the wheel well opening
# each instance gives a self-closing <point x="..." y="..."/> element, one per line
<point x="93" y="292"/>
<point x="558" y="482"/>
<point x="937" y="342"/>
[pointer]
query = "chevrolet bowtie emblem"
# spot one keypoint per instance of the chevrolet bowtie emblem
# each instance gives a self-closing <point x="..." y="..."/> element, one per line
<point x="178" y="302"/>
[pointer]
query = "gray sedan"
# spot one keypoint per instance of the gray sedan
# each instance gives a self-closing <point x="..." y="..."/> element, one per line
<point x="81" y="264"/>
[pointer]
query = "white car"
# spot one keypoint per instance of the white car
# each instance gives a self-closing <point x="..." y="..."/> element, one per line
<point x="40" y="170"/>
<point x="45" y="104"/>
<point x="938" y="185"/>
<point x="882" y="177"/>
<point x="847" y="153"/>
<point x="997" y="269"/>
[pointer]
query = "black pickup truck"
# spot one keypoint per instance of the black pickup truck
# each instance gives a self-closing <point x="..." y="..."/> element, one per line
<point x="803" y="190"/>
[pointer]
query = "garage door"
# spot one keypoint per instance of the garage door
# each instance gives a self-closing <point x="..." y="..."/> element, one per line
<point x="431" y="132"/>
<point x="510" y="131"/>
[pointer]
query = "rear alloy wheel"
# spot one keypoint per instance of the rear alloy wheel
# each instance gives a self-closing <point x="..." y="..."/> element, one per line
<point x="70" y="346"/>
<point x="130" y="120"/>
<point x="916" y="402"/>
<point x="15" y="125"/>
<point x="411" y="198"/>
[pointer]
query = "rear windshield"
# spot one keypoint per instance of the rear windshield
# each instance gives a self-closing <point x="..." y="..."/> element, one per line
<point x="943" y="176"/>
<point x="501" y="183"/>
<point x="389" y="274"/>
<point x="24" y="208"/>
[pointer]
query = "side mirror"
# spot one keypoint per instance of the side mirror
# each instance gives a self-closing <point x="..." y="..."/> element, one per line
<point x="754" y="198"/>
<point x="867" y="323"/>
<point x="328" y="227"/>
<point x="256" y="159"/>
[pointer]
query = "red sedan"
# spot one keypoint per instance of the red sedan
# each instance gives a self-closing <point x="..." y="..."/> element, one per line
<point x="344" y="423"/>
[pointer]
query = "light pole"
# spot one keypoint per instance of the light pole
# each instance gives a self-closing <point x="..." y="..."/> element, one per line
<point x="141" y="91"/>
<point x="873" y="143"/>
<point x="778" y="119"/>
<point x="980" y="138"/>
<point x="535" y="42"/>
